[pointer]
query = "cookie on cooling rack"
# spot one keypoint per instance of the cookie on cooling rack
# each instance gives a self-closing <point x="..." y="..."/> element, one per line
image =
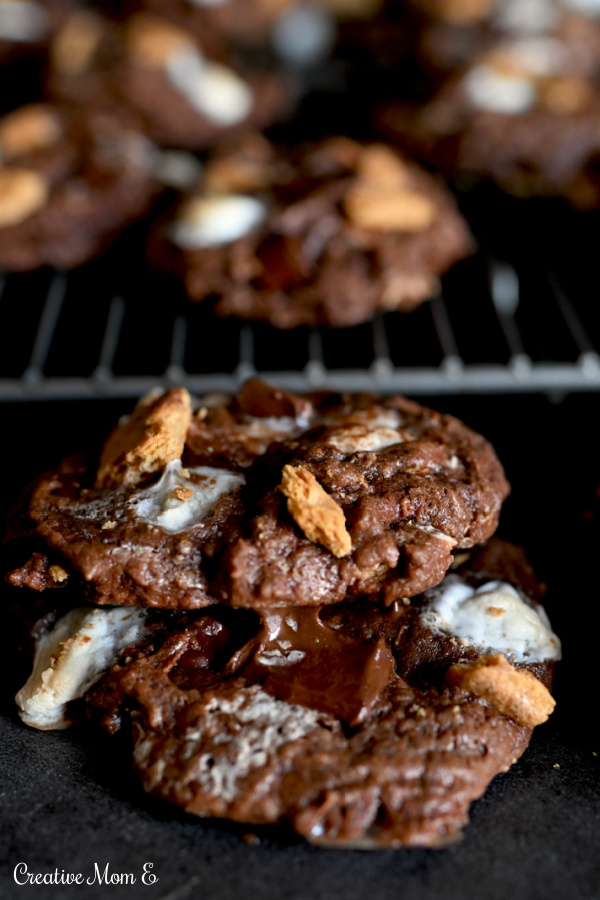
<point x="70" y="182"/>
<point x="187" y="89"/>
<point x="362" y="726"/>
<point x="524" y="113"/>
<point x="262" y="500"/>
<point x="325" y="234"/>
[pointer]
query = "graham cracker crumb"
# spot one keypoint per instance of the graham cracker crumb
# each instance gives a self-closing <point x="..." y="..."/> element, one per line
<point x="379" y="165"/>
<point x="251" y="838"/>
<point x="182" y="493"/>
<point x="382" y="198"/>
<point x="315" y="512"/>
<point x="23" y="192"/>
<point x="57" y="573"/>
<point x="495" y="611"/>
<point x="566" y="95"/>
<point x="110" y="523"/>
<point x="75" y="44"/>
<point x="459" y="559"/>
<point x="152" y="436"/>
<point x="32" y="127"/>
<point x="515" y="693"/>
<point x="152" y="41"/>
<point x="237" y="175"/>
<point x="381" y="209"/>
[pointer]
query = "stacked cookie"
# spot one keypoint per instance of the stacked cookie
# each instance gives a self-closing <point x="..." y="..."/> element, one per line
<point x="294" y="607"/>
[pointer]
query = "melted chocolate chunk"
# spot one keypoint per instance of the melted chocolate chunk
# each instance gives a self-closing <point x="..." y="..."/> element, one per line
<point x="312" y="664"/>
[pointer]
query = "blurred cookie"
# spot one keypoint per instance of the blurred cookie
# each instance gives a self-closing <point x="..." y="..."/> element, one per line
<point x="186" y="87"/>
<point x="69" y="184"/>
<point x="524" y="113"/>
<point x="325" y="234"/>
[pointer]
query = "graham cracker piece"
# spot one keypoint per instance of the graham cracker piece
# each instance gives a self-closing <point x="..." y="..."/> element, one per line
<point x="315" y="512"/>
<point x="382" y="198"/>
<point x="151" y="437"/>
<point x="515" y="693"/>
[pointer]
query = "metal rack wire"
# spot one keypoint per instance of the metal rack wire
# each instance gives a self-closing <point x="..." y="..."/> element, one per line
<point x="39" y="363"/>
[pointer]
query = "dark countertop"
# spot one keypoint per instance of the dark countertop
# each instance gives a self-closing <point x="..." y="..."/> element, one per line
<point x="68" y="801"/>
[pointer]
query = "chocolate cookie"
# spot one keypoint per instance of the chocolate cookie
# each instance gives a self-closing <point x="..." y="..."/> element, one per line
<point x="360" y="726"/>
<point x="69" y="184"/>
<point x="524" y="113"/>
<point x="327" y="234"/>
<point x="187" y="90"/>
<point x="263" y="500"/>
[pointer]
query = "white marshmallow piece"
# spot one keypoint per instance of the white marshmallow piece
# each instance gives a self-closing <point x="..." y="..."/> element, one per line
<point x="22" y="22"/>
<point x="527" y="16"/>
<point x="357" y="438"/>
<point x="493" y="617"/>
<point x="377" y="430"/>
<point x="159" y="505"/>
<point x="266" y="426"/>
<point x="71" y="657"/>
<point x="214" y="220"/>
<point x="538" y="55"/>
<point x="490" y="90"/>
<point x="213" y="90"/>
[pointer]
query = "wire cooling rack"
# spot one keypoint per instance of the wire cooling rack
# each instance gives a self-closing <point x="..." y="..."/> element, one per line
<point x="521" y="316"/>
<point x="67" y="336"/>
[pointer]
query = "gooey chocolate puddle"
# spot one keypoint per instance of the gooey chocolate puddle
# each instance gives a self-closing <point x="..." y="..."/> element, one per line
<point x="302" y="660"/>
